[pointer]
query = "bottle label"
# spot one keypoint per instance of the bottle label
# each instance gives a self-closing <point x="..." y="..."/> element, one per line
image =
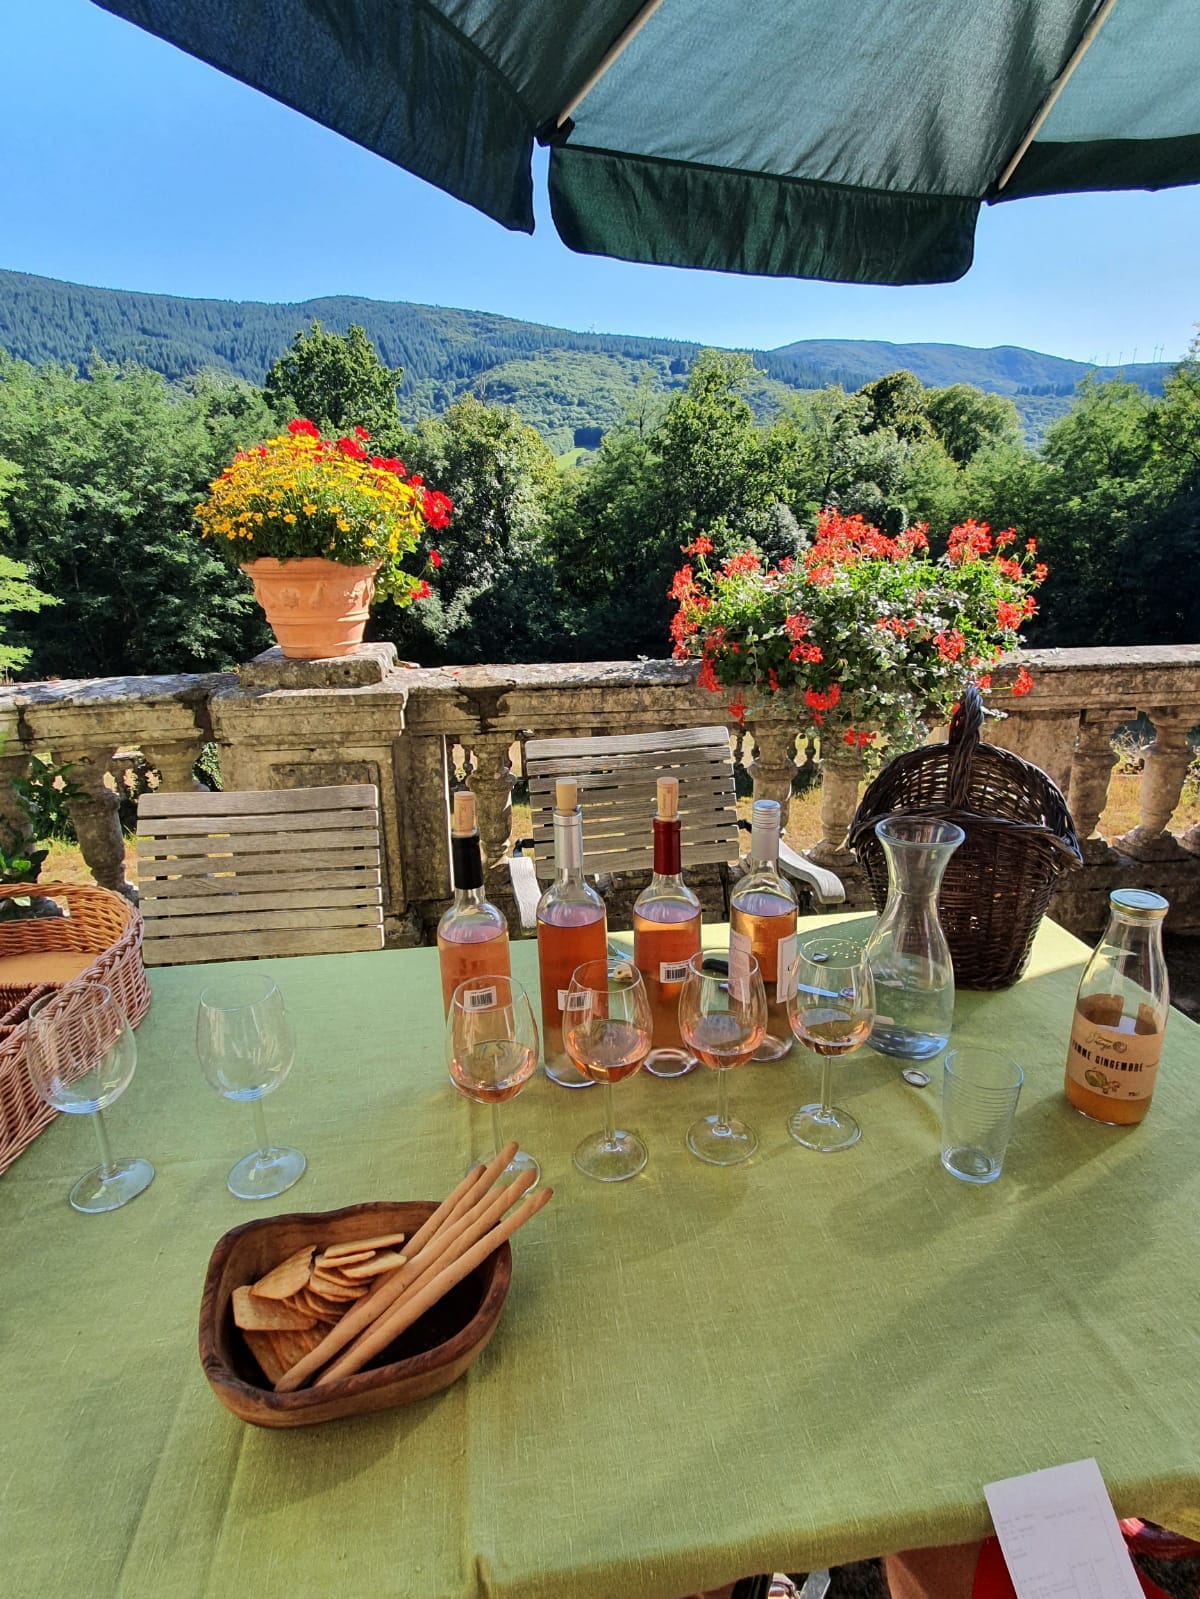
<point x="739" y="966"/>
<point x="785" y="958"/>
<point x="672" y="971"/>
<point x="1118" y="1061"/>
<point x="570" y="1003"/>
<point x="479" y="999"/>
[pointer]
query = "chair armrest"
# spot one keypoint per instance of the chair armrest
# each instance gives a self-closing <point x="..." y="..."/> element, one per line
<point x="525" y="889"/>
<point x="825" y="886"/>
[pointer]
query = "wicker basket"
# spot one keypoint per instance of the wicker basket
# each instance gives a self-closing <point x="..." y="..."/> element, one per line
<point x="94" y="922"/>
<point x="1019" y="837"/>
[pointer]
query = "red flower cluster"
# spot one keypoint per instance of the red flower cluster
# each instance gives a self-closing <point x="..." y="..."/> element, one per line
<point x="700" y="545"/>
<point x="949" y="644"/>
<point x="806" y="652"/>
<point x="1023" y="683"/>
<point x="1009" y="616"/>
<point x="818" y="701"/>
<point x="857" y="740"/>
<point x="740" y="565"/>
<point x="796" y="627"/>
<point x="968" y="542"/>
<point x="300" y="425"/>
<point x="436" y="506"/>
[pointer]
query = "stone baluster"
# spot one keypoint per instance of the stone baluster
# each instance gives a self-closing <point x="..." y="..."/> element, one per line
<point x="96" y="815"/>
<point x="16" y="830"/>
<point x="1167" y="762"/>
<point x="491" y="782"/>
<point x="774" y="764"/>
<point x="1091" y="773"/>
<point x="808" y="766"/>
<point x="841" y="774"/>
<point x="175" y="765"/>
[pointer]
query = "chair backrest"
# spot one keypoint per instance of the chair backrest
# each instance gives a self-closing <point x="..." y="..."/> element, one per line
<point x="233" y="876"/>
<point x="617" y="778"/>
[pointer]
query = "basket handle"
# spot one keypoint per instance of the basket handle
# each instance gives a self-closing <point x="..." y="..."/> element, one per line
<point x="964" y="740"/>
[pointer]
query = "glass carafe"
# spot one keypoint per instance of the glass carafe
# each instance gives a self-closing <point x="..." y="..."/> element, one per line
<point x="907" y="952"/>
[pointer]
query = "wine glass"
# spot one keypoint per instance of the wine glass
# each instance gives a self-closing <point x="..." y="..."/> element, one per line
<point x="831" y="1008"/>
<point x="246" y="1045"/>
<point x="607" y="1031"/>
<point x="81" y="1055"/>
<point x="722" y="1017"/>
<point x="492" y="1052"/>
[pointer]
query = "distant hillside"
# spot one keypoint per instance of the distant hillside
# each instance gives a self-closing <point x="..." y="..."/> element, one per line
<point x="571" y="386"/>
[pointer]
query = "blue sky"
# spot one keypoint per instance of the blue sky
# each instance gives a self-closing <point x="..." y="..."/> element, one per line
<point x="129" y="165"/>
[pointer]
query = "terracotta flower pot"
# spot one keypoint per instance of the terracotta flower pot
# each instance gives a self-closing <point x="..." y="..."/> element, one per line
<point x="315" y="608"/>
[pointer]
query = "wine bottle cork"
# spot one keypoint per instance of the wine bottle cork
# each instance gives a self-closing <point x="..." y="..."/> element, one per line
<point x="463" y="820"/>
<point x="668" y="799"/>
<point x="566" y="795"/>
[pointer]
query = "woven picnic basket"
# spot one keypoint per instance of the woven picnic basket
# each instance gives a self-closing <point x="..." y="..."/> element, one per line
<point x="93" y="922"/>
<point x="1019" y="838"/>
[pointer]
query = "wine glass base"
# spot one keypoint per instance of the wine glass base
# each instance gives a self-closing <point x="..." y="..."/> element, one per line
<point x="772" y="1048"/>
<point x="566" y="1074"/>
<point x="262" y="1175"/>
<point x="815" y="1129"/>
<point x="721" y="1143"/>
<point x="669" y="1063"/>
<point x="517" y="1167"/>
<point x="611" y="1160"/>
<point x="95" y="1192"/>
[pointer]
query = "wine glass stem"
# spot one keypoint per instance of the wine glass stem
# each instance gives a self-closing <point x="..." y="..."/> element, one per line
<point x="722" y="1097"/>
<point x="610" y="1119"/>
<point x="260" y="1127"/>
<point x="826" y="1086"/>
<point x="106" y="1160"/>
<point x="497" y="1129"/>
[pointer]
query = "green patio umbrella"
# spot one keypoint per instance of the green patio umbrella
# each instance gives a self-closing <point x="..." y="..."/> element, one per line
<point x="844" y="139"/>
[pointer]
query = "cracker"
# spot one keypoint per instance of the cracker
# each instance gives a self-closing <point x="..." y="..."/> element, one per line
<point x="341" y="1261"/>
<point x="388" y="1261"/>
<point x="260" y="1346"/>
<point x="384" y="1241"/>
<point x="252" y="1314"/>
<point x="290" y="1275"/>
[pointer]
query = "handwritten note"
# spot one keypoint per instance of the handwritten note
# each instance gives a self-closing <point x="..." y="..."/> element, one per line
<point x="1060" y="1537"/>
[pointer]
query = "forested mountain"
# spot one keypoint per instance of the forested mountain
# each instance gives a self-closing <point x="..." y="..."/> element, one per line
<point x="571" y="386"/>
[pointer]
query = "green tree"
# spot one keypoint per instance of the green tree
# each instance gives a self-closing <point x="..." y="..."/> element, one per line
<point x="489" y="597"/>
<point x="338" y="381"/>
<point x="111" y="467"/>
<point x="897" y="402"/>
<point x="966" y="420"/>
<point x="17" y="593"/>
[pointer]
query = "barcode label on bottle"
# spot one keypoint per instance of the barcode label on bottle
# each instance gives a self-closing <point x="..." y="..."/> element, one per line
<point x="569" y="1002"/>
<point x="739" y="966"/>
<point x="785" y="955"/>
<point x="672" y="971"/>
<point x="480" y="999"/>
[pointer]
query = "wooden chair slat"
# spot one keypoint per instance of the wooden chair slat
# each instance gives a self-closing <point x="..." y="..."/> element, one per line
<point x="232" y="876"/>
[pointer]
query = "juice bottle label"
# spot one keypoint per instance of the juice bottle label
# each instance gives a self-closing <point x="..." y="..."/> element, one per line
<point x="1118" y="1060"/>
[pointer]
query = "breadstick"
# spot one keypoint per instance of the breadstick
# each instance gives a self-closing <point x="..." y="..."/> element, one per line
<point x="386" y="1291"/>
<point x="389" y="1327"/>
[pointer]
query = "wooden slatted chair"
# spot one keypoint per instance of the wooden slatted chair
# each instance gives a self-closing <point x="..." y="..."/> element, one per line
<point x="617" y="778"/>
<point x="234" y="876"/>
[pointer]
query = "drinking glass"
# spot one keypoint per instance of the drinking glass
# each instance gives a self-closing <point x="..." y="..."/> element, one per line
<point x="831" y="1008"/>
<point x="246" y="1046"/>
<point x="722" y="1019"/>
<point x="492" y="1052"/>
<point x="607" y="1030"/>
<point x="81" y="1055"/>
<point x="980" y="1090"/>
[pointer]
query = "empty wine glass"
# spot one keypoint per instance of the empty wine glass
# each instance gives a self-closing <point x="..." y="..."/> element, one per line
<point x="492" y="1052"/>
<point x="722" y="1017"/>
<point x="831" y="1008"/>
<point x="81" y="1055"/>
<point x="246" y="1046"/>
<point x="607" y="1031"/>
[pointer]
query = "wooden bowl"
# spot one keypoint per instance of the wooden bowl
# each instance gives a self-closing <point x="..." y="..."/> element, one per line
<point x="426" y="1358"/>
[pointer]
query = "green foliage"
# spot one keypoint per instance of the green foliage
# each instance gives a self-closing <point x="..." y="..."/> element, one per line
<point x="17" y="593"/>
<point x="337" y="381"/>
<point x="966" y="420"/>
<point x="897" y="402"/>
<point x="101" y="514"/>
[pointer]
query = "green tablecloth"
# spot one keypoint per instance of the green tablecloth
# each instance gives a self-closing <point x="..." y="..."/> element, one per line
<point x="699" y="1374"/>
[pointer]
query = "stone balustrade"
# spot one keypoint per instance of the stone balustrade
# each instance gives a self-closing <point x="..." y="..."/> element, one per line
<point x="410" y="731"/>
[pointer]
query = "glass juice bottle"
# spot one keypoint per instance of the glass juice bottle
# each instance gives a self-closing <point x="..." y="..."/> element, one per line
<point x="762" y="923"/>
<point x="472" y="936"/>
<point x="1120" y="1013"/>
<point x="572" y="927"/>
<point x="666" y="934"/>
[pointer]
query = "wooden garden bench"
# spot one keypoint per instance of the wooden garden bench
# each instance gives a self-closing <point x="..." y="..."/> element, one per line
<point x="234" y="876"/>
